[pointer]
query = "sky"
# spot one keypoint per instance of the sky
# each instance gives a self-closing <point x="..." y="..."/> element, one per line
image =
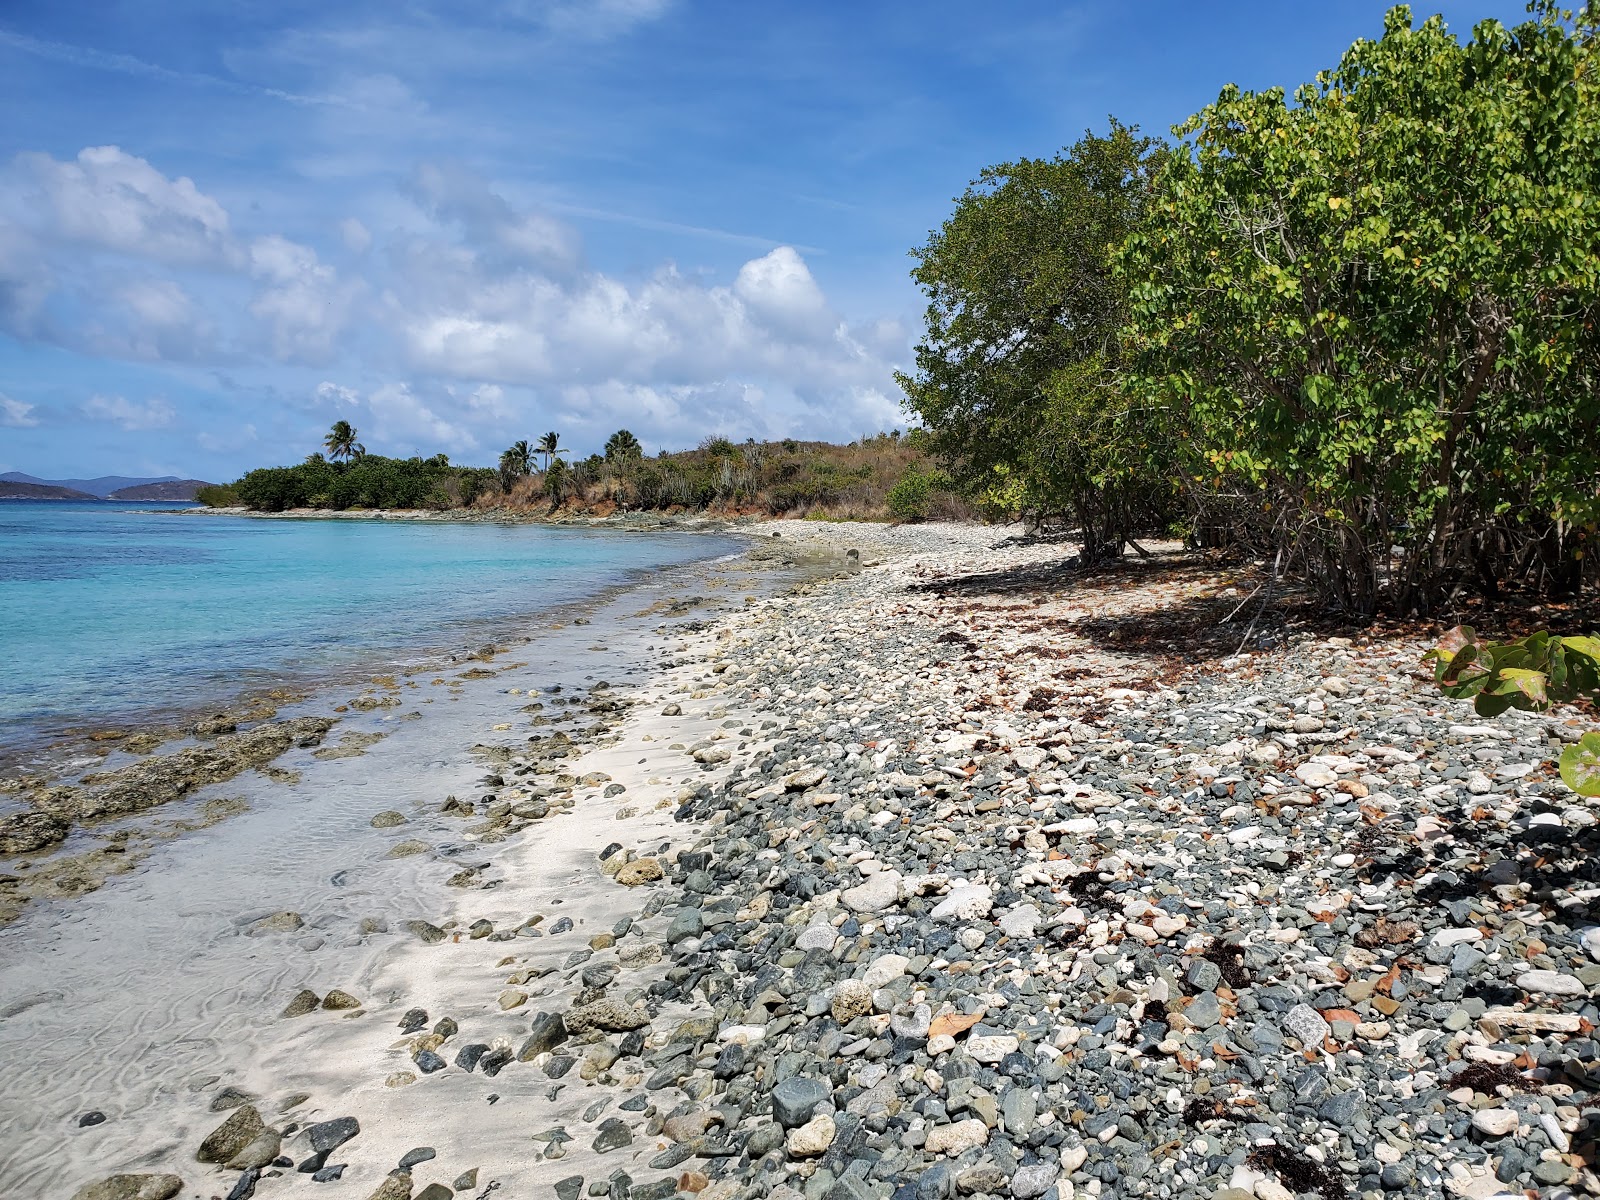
<point x="225" y="226"/>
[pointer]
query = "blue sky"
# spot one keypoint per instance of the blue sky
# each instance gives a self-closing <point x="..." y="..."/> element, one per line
<point x="223" y="227"/>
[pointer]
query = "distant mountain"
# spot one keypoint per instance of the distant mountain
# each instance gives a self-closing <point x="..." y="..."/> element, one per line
<point x="172" y="489"/>
<point x="11" y="489"/>
<point x="100" y="488"/>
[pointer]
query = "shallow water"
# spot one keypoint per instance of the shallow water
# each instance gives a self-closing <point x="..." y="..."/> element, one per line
<point x="136" y="999"/>
<point x="114" y="613"/>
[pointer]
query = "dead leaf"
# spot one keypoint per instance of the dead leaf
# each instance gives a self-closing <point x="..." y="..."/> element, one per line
<point x="954" y="1023"/>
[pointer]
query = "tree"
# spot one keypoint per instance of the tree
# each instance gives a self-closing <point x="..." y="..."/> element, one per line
<point x="557" y="481"/>
<point x="341" y="442"/>
<point x="1024" y="312"/>
<point x="1377" y="308"/>
<point x="520" y="456"/>
<point x="549" y="446"/>
<point x="622" y="446"/>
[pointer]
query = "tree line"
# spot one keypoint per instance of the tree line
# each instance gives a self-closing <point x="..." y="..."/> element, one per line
<point x="1351" y="331"/>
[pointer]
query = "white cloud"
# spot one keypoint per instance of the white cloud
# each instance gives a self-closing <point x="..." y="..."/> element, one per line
<point x="110" y="198"/>
<point x="300" y="299"/>
<point x="118" y="410"/>
<point x="229" y="442"/>
<point x="14" y="414"/>
<point x="402" y="421"/>
<point x="778" y="290"/>
<point x="357" y="237"/>
<point x="337" y="395"/>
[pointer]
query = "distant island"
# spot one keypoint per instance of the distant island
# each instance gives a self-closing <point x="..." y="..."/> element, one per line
<point x="14" y="485"/>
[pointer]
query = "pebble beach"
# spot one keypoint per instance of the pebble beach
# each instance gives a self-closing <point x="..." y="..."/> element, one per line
<point x="949" y="871"/>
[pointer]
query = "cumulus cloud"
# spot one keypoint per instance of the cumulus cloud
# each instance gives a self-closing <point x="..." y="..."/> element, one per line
<point x="401" y="417"/>
<point x="338" y="396"/>
<point x="109" y="198"/>
<point x="300" y="300"/>
<point x="14" y="414"/>
<point x="357" y="237"/>
<point x="118" y="410"/>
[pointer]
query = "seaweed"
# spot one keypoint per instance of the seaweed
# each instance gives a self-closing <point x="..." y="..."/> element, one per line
<point x="1485" y="1077"/>
<point x="1297" y="1172"/>
<point x="1230" y="962"/>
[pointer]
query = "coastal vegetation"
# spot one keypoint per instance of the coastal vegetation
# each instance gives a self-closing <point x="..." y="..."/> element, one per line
<point x="1350" y="332"/>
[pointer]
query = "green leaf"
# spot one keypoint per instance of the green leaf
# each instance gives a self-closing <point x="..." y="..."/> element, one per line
<point x="1580" y="765"/>
<point x="1524" y="687"/>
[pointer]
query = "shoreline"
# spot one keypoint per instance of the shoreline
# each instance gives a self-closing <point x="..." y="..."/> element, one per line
<point x="972" y="875"/>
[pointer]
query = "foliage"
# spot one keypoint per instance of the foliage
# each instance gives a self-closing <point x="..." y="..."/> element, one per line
<point x="912" y="497"/>
<point x="341" y="441"/>
<point x="549" y="446"/>
<point x="621" y="446"/>
<point x="1531" y="674"/>
<point x="1020" y="357"/>
<point x="218" y="495"/>
<point x="368" y="481"/>
<point x="1376" y="307"/>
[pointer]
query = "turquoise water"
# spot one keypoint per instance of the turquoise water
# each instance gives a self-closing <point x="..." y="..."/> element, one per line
<point x="113" y="613"/>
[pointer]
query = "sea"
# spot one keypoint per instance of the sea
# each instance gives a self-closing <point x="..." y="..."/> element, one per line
<point x="117" y="614"/>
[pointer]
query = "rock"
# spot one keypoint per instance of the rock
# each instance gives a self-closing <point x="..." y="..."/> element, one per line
<point x="1316" y="775"/>
<point x="884" y="969"/>
<point x="232" y="1136"/>
<point x="852" y="998"/>
<point x="25" y="832"/>
<point x="337" y="1000"/>
<point x="421" y="1154"/>
<point x="548" y="1031"/>
<point x="435" y="1191"/>
<point x="794" y="1099"/>
<point x="131" y="1187"/>
<point x="1033" y="1180"/>
<point x="687" y="924"/>
<point x="426" y="932"/>
<point x="326" y="1136"/>
<point x="1552" y="983"/>
<point x="278" y="922"/>
<point x="879" y="892"/>
<point x="260" y="1151"/>
<point x="1495" y="1122"/>
<point x="957" y="1138"/>
<point x="397" y="1186"/>
<point x="812" y="1138"/>
<point x="304" y="1001"/>
<point x="388" y="819"/>
<point x="1306" y="1025"/>
<point x="613" y="1134"/>
<point x="640" y="871"/>
<point x="968" y="902"/>
<point x="609" y="1015"/>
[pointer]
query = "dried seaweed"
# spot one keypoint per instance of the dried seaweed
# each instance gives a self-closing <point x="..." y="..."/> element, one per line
<point x="1297" y="1172"/>
<point x="1486" y="1077"/>
<point x="1230" y="962"/>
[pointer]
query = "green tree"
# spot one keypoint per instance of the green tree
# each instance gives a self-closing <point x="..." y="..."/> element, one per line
<point x="1023" y="321"/>
<point x="520" y="456"/>
<point x="558" y="482"/>
<point x="622" y="446"/>
<point x="1376" y="306"/>
<point x="341" y="442"/>
<point x="549" y="446"/>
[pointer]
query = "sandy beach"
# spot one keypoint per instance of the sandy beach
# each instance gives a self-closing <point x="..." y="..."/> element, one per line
<point x="949" y="871"/>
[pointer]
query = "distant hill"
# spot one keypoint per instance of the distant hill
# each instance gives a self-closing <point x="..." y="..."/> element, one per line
<point x="172" y="489"/>
<point x="100" y="488"/>
<point x="11" y="489"/>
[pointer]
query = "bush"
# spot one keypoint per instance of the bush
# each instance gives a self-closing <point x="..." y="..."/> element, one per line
<point x="912" y="498"/>
<point x="218" y="495"/>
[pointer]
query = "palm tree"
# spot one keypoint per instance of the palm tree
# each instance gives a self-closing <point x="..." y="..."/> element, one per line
<point x="341" y="441"/>
<point x="549" y="446"/>
<point x="623" y="445"/>
<point x="520" y="457"/>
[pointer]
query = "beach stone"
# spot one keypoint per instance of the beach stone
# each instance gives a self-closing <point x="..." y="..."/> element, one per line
<point x="1305" y="1024"/>
<point x="396" y="1186"/>
<point x="957" y="1138"/>
<point x="569" y="1188"/>
<point x="1032" y="1180"/>
<point x="1315" y="775"/>
<point x="968" y="902"/>
<point x="91" y="1119"/>
<point x="640" y="871"/>
<point x="421" y="1154"/>
<point x="131" y="1187"/>
<point x="794" y="1099"/>
<point x="880" y="891"/>
<point x="812" y="1138"/>
<point x="1553" y="983"/>
<point x="260" y="1151"/>
<point x="609" y="1015"/>
<point x="25" y="832"/>
<point x="303" y="1002"/>
<point x="232" y="1136"/>
<point x="817" y="937"/>
<point x="426" y="932"/>
<point x="337" y="999"/>
<point x="1495" y="1122"/>
<point x="852" y="998"/>
<point x="884" y="969"/>
<point x="613" y="1134"/>
<point x="409" y="848"/>
<point x="279" y="922"/>
<point x="688" y="923"/>
<point x="548" y="1031"/>
<point x="326" y="1136"/>
<point x="388" y="819"/>
<point x="435" y="1191"/>
<point x="468" y="1180"/>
